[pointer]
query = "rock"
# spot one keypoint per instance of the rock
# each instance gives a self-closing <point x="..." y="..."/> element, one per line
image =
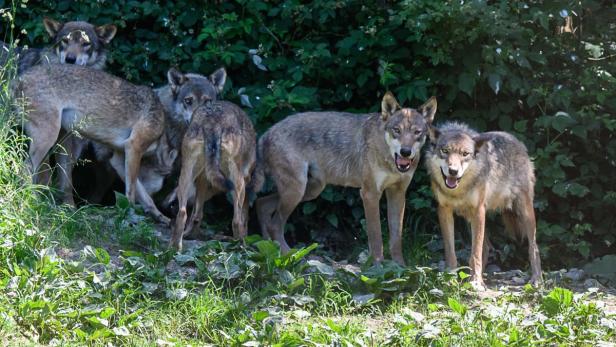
<point x="604" y="267"/>
<point x="518" y="280"/>
<point x="509" y="274"/>
<point x="492" y="268"/>
<point x="592" y="283"/>
<point x="575" y="274"/>
<point x="441" y="265"/>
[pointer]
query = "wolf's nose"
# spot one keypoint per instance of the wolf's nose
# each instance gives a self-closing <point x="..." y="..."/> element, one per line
<point x="453" y="172"/>
<point x="406" y="152"/>
<point x="70" y="59"/>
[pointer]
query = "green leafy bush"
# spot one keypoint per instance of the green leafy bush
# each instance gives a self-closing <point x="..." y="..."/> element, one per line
<point x="504" y="65"/>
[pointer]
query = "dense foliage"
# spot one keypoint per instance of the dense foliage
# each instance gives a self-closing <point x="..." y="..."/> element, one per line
<point x="507" y="65"/>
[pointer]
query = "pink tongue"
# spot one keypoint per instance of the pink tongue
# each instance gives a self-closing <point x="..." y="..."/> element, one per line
<point x="402" y="161"/>
<point x="451" y="182"/>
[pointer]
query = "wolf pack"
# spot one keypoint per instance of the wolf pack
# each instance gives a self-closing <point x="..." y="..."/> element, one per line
<point x="183" y="129"/>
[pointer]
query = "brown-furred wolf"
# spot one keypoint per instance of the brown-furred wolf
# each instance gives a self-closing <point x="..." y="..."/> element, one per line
<point x="76" y="42"/>
<point x="183" y="93"/>
<point x="374" y="152"/>
<point x="130" y="120"/>
<point x="218" y="155"/>
<point x="473" y="173"/>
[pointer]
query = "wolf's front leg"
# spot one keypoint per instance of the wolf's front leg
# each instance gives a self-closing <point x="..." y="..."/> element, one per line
<point x="445" y="217"/>
<point x="478" y="222"/>
<point x="395" y="216"/>
<point x="117" y="161"/>
<point x="370" y="198"/>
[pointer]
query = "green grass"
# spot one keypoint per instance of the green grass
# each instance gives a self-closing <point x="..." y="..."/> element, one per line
<point x="100" y="276"/>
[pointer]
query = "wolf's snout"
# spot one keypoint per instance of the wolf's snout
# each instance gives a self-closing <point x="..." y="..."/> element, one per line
<point x="406" y="152"/>
<point x="453" y="172"/>
<point x="70" y="59"/>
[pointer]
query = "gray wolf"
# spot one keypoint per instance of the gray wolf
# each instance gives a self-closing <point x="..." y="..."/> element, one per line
<point x="180" y="97"/>
<point x="218" y="155"/>
<point x="76" y="42"/>
<point x="473" y="173"/>
<point x="374" y="152"/>
<point x="100" y="107"/>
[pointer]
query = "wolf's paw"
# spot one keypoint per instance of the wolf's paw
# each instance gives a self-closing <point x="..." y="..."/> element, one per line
<point x="478" y="285"/>
<point x="536" y="281"/>
<point x="162" y="219"/>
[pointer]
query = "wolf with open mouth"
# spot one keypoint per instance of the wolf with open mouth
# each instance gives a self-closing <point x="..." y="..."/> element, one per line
<point x="473" y="173"/>
<point x="377" y="153"/>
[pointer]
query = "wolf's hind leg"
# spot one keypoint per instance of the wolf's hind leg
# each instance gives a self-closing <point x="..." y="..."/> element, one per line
<point x="72" y="148"/>
<point x="291" y="185"/>
<point x="522" y="218"/>
<point x="239" y="196"/>
<point x="43" y="137"/>
<point x="265" y="207"/>
<point x="203" y="194"/>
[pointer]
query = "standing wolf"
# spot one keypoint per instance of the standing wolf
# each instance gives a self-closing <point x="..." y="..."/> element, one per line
<point x="218" y="155"/>
<point x="126" y="118"/>
<point x="106" y="109"/>
<point x="474" y="173"/>
<point x="79" y="43"/>
<point x="183" y="93"/>
<point x="374" y="152"/>
<point x="75" y="42"/>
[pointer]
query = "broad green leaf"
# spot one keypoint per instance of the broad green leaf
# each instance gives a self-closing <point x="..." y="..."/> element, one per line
<point x="456" y="306"/>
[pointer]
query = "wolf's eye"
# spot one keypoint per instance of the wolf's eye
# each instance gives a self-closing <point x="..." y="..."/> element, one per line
<point x="396" y="130"/>
<point x="444" y="150"/>
<point x="65" y="40"/>
<point x="418" y="132"/>
<point x="465" y="154"/>
<point x="188" y="100"/>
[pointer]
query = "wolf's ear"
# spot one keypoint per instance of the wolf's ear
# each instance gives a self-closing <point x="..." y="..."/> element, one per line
<point x="176" y="79"/>
<point x="52" y="26"/>
<point x="481" y="140"/>
<point x="433" y="133"/>
<point x="106" y="32"/>
<point x="389" y="105"/>
<point x="428" y="109"/>
<point x="218" y="79"/>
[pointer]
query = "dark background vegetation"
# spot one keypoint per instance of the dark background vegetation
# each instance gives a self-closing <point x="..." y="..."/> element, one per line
<point x="507" y="65"/>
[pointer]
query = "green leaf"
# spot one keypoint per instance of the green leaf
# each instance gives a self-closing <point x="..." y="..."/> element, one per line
<point x="332" y="219"/>
<point x="556" y="301"/>
<point x="309" y="207"/>
<point x="466" y="83"/>
<point x="121" y="201"/>
<point x="561" y="121"/>
<point x="495" y="82"/>
<point x="259" y="316"/>
<point x="296" y="283"/>
<point x="268" y="249"/>
<point x="102" y="256"/>
<point x="321" y="267"/>
<point x="456" y="306"/>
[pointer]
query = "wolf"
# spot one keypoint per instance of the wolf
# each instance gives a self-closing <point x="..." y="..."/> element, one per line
<point x="75" y="42"/>
<point x="218" y="155"/>
<point x="123" y="116"/>
<point x="127" y="118"/>
<point x="374" y="152"/>
<point x="180" y="97"/>
<point x="473" y="173"/>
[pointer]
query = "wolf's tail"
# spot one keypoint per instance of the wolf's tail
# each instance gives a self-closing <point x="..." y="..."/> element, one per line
<point x="257" y="179"/>
<point x="213" y="146"/>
